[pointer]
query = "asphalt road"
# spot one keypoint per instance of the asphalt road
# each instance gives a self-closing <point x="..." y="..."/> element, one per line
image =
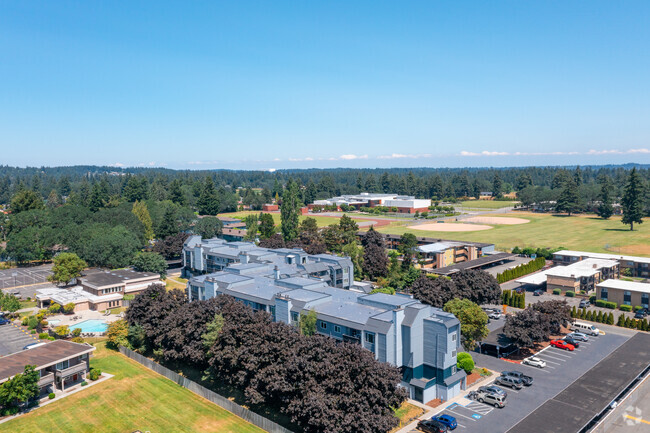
<point x="13" y="339"/>
<point x="563" y="368"/>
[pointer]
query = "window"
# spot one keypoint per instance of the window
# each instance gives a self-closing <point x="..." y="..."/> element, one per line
<point x="603" y="294"/>
<point x="645" y="300"/>
<point x="294" y="316"/>
<point x="337" y="329"/>
<point x="453" y="354"/>
<point x="62" y="365"/>
<point x="627" y="298"/>
<point x="453" y="369"/>
<point x="370" y="338"/>
<point x="453" y="337"/>
<point x="323" y="325"/>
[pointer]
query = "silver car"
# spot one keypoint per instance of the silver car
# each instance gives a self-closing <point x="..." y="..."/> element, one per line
<point x="534" y="362"/>
<point x="579" y="336"/>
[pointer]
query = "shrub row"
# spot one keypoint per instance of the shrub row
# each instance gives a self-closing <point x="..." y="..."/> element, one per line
<point x="557" y="291"/>
<point x="625" y="308"/>
<point x="521" y="270"/>
<point x="570" y="294"/>
<point x="608" y="319"/>
<point x="513" y="299"/>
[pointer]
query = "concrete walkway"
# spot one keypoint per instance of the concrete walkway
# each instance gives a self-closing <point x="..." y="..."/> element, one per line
<point x="460" y="399"/>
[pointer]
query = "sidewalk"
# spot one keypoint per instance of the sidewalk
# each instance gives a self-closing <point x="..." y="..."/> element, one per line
<point x="460" y="399"/>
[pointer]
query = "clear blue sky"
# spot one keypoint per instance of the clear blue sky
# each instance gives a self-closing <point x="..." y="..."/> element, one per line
<point x="276" y="84"/>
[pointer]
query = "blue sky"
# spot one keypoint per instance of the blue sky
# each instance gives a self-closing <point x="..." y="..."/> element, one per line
<point x="259" y="85"/>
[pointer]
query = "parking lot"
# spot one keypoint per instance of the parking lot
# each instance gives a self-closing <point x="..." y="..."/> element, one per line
<point x="24" y="276"/>
<point x="13" y="339"/>
<point x="563" y="368"/>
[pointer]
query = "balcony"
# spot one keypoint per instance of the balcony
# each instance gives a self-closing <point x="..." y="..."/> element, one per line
<point x="352" y="338"/>
<point x="81" y="367"/>
<point x="46" y="380"/>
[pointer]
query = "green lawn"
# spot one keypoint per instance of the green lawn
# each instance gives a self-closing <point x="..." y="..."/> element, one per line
<point x="486" y="204"/>
<point x="584" y="232"/>
<point x="135" y="399"/>
<point x="28" y="304"/>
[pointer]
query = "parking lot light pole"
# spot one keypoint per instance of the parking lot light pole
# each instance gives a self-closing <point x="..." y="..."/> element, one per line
<point x="14" y="274"/>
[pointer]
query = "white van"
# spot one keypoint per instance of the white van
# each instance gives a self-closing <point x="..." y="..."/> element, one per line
<point x="33" y="345"/>
<point x="585" y="328"/>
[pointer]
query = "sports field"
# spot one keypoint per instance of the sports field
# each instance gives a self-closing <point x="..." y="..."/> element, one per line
<point x="135" y="399"/>
<point x="584" y="232"/>
<point x="322" y="221"/>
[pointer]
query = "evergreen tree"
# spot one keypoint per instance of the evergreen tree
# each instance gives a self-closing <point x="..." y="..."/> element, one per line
<point x="289" y="212"/>
<point x="632" y="201"/>
<point x="497" y="185"/>
<point x="599" y="317"/>
<point x="208" y="202"/>
<point x="267" y="226"/>
<point x="605" y="209"/>
<point x="610" y="318"/>
<point x="168" y="225"/>
<point x="621" y="320"/>
<point x="176" y="193"/>
<point x="375" y="260"/>
<point x="569" y="200"/>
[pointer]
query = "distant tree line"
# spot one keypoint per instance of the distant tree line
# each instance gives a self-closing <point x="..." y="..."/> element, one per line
<point x="318" y="383"/>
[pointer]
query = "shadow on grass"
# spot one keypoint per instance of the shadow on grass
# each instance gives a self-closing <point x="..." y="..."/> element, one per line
<point x="618" y="230"/>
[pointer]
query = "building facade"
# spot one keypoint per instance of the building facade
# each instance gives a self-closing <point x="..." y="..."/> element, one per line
<point x="421" y="340"/>
<point x="635" y="266"/>
<point x="403" y="203"/>
<point x="635" y="294"/>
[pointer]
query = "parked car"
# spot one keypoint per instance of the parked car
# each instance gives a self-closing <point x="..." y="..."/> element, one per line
<point x="561" y="344"/>
<point x="33" y="345"/>
<point x="494" y="315"/>
<point x="527" y="380"/>
<point x="537" y="292"/>
<point x="432" y="426"/>
<point x="493" y="389"/>
<point x="641" y="314"/>
<point x="447" y="420"/>
<point x="578" y="336"/>
<point x="4" y="321"/>
<point x="572" y="341"/>
<point x="509" y="381"/>
<point x="519" y="290"/>
<point x="488" y="398"/>
<point x="534" y="362"/>
<point x="585" y="328"/>
<point x="584" y="303"/>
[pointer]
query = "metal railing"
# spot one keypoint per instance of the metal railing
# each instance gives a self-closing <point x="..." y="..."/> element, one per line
<point x="46" y="380"/>
<point x="71" y="370"/>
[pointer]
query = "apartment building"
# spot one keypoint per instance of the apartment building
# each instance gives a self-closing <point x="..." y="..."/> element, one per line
<point x="636" y="294"/>
<point x="636" y="266"/>
<point x="423" y="341"/>
<point x="579" y="276"/>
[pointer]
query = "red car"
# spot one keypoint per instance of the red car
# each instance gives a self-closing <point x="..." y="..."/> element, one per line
<point x="561" y="344"/>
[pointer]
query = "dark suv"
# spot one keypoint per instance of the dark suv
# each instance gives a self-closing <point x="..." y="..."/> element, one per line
<point x="527" y="380"/>
<point x="641" y="313"/>
<point x="432" y="426"/>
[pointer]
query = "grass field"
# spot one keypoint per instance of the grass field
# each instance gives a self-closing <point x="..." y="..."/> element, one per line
<point x="135" y="399"/>
<point x="584" y="232"/>
<point x="172" y="283"/>
<point x="486" y="204"/>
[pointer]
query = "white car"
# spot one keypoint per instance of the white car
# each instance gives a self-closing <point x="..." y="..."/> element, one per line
<point x="534" y="361"/>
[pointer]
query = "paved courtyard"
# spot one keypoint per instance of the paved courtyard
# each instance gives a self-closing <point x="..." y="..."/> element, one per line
<point x="13" y="339"/>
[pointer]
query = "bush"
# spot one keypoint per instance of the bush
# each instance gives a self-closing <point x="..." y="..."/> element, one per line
<point x="625" y="308"/>
<point x="8" y="411"/>
<point x="43" y="335"/>
<point x="43" y="323"/>
<point x="33" y="331"/>
<point x="592" y="299"/>
<point x="600" y="303"/>
<point x="84" y="383"/>
<point x="54" y="308"/>
<point x="68" y="308"/>
<point x="62" y="331"/>
<point x="76" y="332"/>
<point x="95" y="373"/>
<point x="25" y="321"/>
<point x="521" y="270"/>
<point x="637" y="308"/>
<point x="466" y="364"/>
<point x="611" y="305"/>
<point x="51" y="395"/>
<point x="32" y="322"/>
<point x="557" y="291"/>
<point x="570" y="294"/>
<point x="77" y="340"/>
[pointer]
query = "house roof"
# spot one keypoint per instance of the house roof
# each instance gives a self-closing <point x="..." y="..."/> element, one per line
<point x="571" y="253"/>
<point x="41" y="357"/>
<point x="100" y="279"/>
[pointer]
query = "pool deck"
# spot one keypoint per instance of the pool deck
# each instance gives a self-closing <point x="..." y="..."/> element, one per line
<point x="82" y="316"/>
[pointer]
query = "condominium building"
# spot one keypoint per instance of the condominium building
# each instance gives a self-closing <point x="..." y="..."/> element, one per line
<point x="579" y="276"/>
<point x="633" y="293"/>
<point x="423" y="341"/>
<point x="636" y="266"/>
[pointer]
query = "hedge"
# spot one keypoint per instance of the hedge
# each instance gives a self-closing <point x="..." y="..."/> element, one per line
<point x="611" y="305"/>
<point x="557" y="291"/>
<point x="625" y="308"/>
<point x="513" y="299"/>
<point x="570" y="294"/>
<point x="521" y="270"/>
<point x="637" y="308"/>
<point x="600" y="303"/>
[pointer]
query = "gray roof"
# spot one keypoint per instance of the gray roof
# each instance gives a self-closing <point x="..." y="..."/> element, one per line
<point x="459" y="375"/>
<point x="100" y="279"/>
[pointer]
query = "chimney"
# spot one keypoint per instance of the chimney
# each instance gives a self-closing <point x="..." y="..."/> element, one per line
<point x="243" y="257"/>
<point x="595" y="266"/>
<point x="276" y="272"/>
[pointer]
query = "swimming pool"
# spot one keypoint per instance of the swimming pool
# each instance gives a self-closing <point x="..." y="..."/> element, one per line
<point x="92" y="325"/>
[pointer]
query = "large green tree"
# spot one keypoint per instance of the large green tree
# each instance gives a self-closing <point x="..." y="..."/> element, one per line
<point x="150" y="262"/>
<point x="267" y="225"/>
<point x="632" y="201"/>
<point x="569" y="200"/>
<point x="375" y="260"/>
<point x="473" y="320"/>
<point x="605" y="208"/>
<point x="208" y="202"/>
<point x="289" y="211"/>
<point x="25" y="200"/>
<point x="20" y="388"/>
<point x="142" y="213"/>
<point x="208" y="227"/>
<point x="67" y="267"/>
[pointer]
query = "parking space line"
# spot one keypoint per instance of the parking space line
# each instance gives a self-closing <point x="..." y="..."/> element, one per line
<point x="558" y="355"/>
<point x="554" y="360"/>
<point x="464" y="416"/>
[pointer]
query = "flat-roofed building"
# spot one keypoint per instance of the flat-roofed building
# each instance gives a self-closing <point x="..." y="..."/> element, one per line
<point x="622" y="292"/>
<point x="580" y="276"/>
<point x="403" y="203"/>
<point x="635" y="266"/>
